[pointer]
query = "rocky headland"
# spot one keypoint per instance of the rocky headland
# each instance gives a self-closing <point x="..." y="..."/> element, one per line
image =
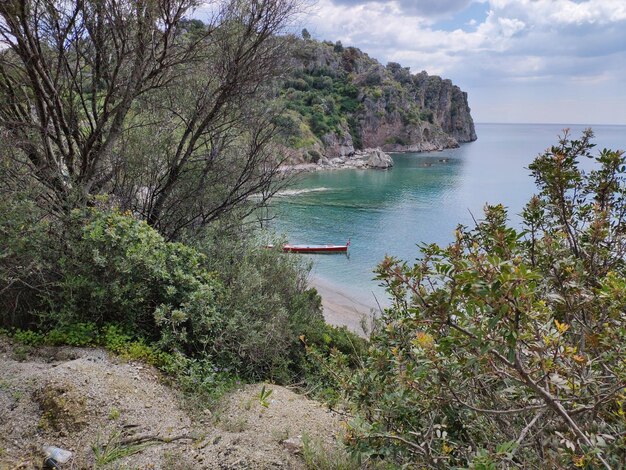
<point x="339" y="102"/>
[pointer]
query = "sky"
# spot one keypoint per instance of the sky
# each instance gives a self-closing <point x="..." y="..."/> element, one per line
<point x="521" y="61"/>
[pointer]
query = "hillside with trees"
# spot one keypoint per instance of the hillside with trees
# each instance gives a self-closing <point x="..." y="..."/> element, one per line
<point x="338" y="100"/>
<point x="135" y="147"/>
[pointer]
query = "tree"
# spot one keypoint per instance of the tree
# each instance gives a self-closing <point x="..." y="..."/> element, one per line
<point x="88" y="89"/>
<point x="305" y="34"/>
<point x="507" y="347"/>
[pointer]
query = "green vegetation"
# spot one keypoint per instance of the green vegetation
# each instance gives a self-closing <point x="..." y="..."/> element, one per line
<point x="128" y="227"/>
<point x="506" y="348"/>
<point x="318" y="456"/>
<point x="264" y="396"/>
<point x="237" y="308"/>
<point x="124" y="207"/>
<point x="333" y="91"/>
<point x="115" y="447"/>
<point x="168" y="115"/>
<point x="325" y="100"/>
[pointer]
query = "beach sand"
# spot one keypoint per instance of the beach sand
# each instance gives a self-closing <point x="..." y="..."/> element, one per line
<point x="340" y="309"/>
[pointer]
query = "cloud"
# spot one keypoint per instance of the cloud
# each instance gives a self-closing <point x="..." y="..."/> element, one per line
<point x="544" y="44"/>
<point x="530" y="33"/>
<point x="562" y="12"/>
<point x="427" y="8"/>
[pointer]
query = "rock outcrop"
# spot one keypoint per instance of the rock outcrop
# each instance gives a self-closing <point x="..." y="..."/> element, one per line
<point x="340" y="100"/>
<point x="376" y="158"/>
<point x="360" y="159"/>
<point x="338" y="145"/>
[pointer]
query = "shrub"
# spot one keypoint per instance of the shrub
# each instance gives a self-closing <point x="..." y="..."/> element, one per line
<point x="332" y="356"/>
<point x="239" y="306"/>
<point x="117" y="269"/>
<point x="26" y="259"/>
<point x="268" y="306"/>
<point x="77" y="334"/>
<point x="507" y="347"/>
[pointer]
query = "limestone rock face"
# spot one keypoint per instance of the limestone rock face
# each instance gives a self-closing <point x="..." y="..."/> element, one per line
<point x="338" y="145"/>
<point x="448" y="104"/>
<point x="341" y="101"/>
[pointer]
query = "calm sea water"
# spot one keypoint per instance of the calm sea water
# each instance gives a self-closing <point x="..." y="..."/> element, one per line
<point x="421" y="200"/>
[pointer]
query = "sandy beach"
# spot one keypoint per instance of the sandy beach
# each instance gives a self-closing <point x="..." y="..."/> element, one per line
<point x="340" y="309"/>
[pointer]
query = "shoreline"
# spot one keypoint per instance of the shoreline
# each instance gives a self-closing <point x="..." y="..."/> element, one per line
<point x="370" y="158"/>
<point x="356" y="161"/>
<point x="341" y="309"/>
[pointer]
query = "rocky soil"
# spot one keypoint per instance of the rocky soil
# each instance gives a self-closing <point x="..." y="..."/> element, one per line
<point x="114" y="414"/>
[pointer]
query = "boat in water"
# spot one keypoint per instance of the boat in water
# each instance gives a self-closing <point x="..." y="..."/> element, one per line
<point x="289" y="248"/>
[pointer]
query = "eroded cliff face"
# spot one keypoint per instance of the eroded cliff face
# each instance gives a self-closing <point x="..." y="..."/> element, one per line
<point x="448" y="104"/>
<point x="340" y="100"/>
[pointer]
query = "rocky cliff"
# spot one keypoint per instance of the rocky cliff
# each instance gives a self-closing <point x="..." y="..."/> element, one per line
<point x="339" y="100"/>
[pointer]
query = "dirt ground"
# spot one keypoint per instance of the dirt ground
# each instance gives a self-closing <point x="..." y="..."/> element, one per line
<point x="115" y="414"/>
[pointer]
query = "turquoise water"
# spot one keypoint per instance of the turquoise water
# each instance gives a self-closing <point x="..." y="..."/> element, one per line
<point x="421" y="200"/>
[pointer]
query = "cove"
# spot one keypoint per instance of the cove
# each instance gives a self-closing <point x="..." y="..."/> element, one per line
<point x="421" y="200"/>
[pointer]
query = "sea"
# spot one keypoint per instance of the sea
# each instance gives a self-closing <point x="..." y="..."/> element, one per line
<point x="421" y="200"/>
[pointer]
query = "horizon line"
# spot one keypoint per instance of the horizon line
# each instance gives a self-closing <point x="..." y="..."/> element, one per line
<point x="553" y="123"/>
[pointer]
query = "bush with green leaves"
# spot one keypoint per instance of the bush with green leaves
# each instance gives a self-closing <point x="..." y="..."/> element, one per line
<point x="26" y="258"/>
<point x="332" y="354"/>
<point x="268" y="302"/>
<point x="116" y="269"/>
<point x="229" y="300"/>
<point x="506" y="348"/>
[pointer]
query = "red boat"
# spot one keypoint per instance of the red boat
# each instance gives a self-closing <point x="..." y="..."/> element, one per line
<point x="288" y="248"/>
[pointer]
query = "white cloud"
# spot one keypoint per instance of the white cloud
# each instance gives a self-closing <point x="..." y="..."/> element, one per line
<point x="540" y="42"/>
<point x="425" y="8"/>
<point x="563" y="12"/>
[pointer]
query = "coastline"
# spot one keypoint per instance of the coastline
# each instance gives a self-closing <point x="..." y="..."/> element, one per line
<point x="341" y="309"/>
<point x="371" y="158"/>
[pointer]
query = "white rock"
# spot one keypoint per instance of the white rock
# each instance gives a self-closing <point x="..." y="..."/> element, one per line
<point x="376" y="158"/>
<point x="294" y="444"/>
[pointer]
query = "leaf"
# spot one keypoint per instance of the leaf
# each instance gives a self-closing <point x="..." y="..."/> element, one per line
<point x="506" y="447"/>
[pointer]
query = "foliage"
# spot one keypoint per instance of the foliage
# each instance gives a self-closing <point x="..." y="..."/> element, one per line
<point x="264" y="396"/>
<point x="78" y="334"/>
<point x="118" y="445"/>
<point x="116" y="269"/>
<point x="326" y="100"/>
<point x="506" y="348"/>
<point x="332" y="353"/>
<point x="25" y="256"/>
<point x="268" y="303"/>
<point x="238" y="306"/>
<point x="135" y="100"/>
<point x="318" y="455"/>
